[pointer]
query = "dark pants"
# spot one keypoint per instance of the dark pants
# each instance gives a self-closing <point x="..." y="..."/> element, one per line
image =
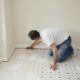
<point x="64" y="50"/>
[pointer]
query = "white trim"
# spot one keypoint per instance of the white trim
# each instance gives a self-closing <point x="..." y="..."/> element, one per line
<point x="8" y="57"/>
<point x="40" y="46"/>
<point x="3" y="59"/>
<point x="24" y="46"/>
<point x="78" y="48"/>
<point x="11" y="52"/>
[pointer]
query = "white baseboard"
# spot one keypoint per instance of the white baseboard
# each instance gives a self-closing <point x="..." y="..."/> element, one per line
<point x="24" y="46"/>
<point x="41" y="46"/>
<point x="78" y="48"/>
<point x="4" y="59"/>
<point x="11" y="52"/>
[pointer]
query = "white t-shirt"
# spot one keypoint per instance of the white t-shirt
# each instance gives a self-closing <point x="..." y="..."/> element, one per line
<point x="53" y="35"/>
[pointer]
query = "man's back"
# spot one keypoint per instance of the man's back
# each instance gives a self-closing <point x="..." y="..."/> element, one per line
<point x="51" y="35"/>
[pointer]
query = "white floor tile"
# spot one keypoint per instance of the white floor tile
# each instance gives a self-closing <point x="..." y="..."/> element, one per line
<point x="35" y="65"/>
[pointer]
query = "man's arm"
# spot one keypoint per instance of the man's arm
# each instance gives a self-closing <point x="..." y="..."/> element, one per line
<point x="33" y="44"/>
<point x="55" y="57"/>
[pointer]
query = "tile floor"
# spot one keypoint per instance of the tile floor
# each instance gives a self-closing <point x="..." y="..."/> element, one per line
<point x="35" y="65"/>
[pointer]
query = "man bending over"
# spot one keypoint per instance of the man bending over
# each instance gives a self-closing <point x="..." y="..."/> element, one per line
<point x="58" y="40"/>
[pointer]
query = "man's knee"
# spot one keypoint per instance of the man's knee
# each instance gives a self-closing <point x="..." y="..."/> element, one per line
<point x="50" y="53"/>
<point x="60" y="60"/>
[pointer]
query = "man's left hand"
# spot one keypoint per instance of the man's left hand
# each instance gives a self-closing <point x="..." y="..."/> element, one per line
<point x="53" y="67"/>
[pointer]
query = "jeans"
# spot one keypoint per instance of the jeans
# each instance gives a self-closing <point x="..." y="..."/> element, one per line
<point x="64" y="50"/>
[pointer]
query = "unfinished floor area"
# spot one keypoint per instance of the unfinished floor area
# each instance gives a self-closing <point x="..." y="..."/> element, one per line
<point x="35" y="65"/>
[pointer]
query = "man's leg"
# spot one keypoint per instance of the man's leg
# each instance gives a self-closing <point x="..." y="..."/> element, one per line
<point x="64" y="54"/>
<point x="65" y="50"/>
<point x="50" y="53"/>
<point x="69" y="52"/>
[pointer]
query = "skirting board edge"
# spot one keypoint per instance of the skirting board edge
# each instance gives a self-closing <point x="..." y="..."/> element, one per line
<point x="5" y="59"/>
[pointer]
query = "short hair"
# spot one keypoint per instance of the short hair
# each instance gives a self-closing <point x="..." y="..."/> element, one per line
<point x="33" y="34"/>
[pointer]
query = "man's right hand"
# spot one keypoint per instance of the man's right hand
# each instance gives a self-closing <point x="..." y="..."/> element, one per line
<point x="29" y="47"/>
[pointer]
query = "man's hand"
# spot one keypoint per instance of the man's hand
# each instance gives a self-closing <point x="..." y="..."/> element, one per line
<point x="53" y="67"/>
<point x="33" y="44"/>
<point x="29" y="47"/>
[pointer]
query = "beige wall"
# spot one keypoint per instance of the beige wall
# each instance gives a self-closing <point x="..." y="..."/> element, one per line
<point x="0" y="33"/>
<point x="6" y="29"/>
<point x="39" y="14"/>
<point x="3" y="52"/>
<point x="9" y="21"/>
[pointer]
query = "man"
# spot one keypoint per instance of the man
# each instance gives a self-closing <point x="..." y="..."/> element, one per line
<point x="58" y="40"/>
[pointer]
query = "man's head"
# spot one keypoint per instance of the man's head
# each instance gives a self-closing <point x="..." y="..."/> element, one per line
<point x="34" y="35"/>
